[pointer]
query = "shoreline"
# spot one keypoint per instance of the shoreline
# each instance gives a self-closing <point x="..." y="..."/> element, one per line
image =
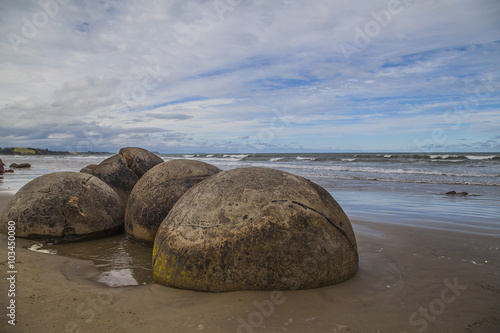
<point x="411" y="279"/>
<point x="393" y="283"/>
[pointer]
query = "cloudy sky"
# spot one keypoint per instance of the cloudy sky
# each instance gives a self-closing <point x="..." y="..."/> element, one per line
<point x="250" y="75"/>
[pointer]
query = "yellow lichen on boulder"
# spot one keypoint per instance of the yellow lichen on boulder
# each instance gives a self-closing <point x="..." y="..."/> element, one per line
<point x="255" y="229"/>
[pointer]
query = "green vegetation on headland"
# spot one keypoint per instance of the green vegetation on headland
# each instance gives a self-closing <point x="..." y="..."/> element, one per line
<point x="39" y="151"/>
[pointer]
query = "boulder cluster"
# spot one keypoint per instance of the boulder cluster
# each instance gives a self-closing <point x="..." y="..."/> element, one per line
<point x="211" y="230"/>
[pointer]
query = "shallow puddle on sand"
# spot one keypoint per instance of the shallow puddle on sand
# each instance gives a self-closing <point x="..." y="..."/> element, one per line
<point x="119" y="261"/>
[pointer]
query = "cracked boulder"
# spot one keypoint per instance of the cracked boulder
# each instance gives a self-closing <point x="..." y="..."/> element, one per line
<point x="123" y="170"/>
<point x="115" y="172"/>
<point x="156" y="193"/>
<point x="140" y="160"/>
<point x="255" y="229"/>
<point x="63" y="207"/>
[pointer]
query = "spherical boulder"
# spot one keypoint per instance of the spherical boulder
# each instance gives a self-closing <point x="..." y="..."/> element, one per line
<point x="64" y="206"/>
<point x="115" y="172"/>
<point x="255" y="229"/>
<point x="156" y="193"/>
<point x="140" y="160"/>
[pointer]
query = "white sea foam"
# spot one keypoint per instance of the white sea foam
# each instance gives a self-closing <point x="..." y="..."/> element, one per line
<point x="446" y="160"/>
<point x="478" y="157"/>
<point x="443" y="157"/>
<point x="467" y="168"/>
<point x="376" y="170"/>
<point x="240" y="156"/>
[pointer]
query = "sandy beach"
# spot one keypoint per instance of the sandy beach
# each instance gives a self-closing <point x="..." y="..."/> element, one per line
<point x="410" y="280"/>
<point x="262" y="133"/>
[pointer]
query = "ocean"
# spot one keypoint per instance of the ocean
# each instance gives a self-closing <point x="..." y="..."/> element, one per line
<point x="397" y="188"/>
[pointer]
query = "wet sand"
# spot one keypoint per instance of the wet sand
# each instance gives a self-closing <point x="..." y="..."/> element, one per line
<point x="411" y="279"/>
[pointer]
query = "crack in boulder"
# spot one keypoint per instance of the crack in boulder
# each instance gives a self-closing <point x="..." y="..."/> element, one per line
<point x="329" y="221"/>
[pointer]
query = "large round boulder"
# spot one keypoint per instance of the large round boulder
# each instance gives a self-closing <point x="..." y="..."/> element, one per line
<point x="255" y="229"/>
<point x="140" y="160"/>
<point x="64" y="206"/>
<point x="115" y="172"/>
<point x="156" y="193"/>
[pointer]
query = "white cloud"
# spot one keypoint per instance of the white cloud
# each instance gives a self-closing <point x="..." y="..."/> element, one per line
<point x="178" y="68"/>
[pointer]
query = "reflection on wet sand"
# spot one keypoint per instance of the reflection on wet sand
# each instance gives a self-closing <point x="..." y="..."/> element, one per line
<point x="119" y="261"/>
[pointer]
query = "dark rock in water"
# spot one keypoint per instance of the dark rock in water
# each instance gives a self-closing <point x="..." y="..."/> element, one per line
<point x="2" y="168"/>
<point x="115" y="172"/>
<point x="255" y="229"/>
<point x="20" y="166"/>
<point x="140" y="160"/>
<point x="64" y="206"/>
<point x="156" y="193"/>
<point x="454" y="193"/>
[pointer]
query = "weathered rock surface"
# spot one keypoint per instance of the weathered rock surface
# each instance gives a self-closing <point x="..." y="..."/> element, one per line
<point x="88" y="169"/>
<point x="2" y="168"/>
<point x="122" y="171"/>
<point x="140" y="160"/>
<point x="254" y="229"/>
<point x="64" y="206"/>
<point x="156" y="193"/>
<point x="115" y="172"/>
<point x="20" y="166"/>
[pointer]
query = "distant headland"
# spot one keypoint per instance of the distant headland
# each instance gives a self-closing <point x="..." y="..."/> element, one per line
<point x="40" y="151"/>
